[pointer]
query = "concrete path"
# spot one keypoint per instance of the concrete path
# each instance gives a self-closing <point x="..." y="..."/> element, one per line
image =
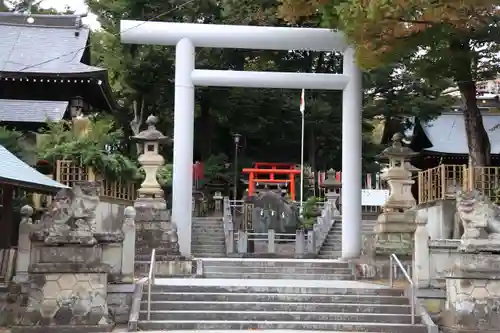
<point x="268" y="283"/>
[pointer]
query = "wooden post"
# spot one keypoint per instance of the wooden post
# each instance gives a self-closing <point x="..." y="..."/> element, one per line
<point x="443" y="181"/>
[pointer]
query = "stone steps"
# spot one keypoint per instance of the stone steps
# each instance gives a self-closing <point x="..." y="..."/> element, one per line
<point x="312" y="325"/>
<point x="207" y="238"/>
<point x="267" y="275"/>
<point x="332" y="247"/>
<point x="307" y="298"/>
<point x="284" y="314"/>
<point x="256" y="305"/>
<point x="277" y="270"/>
<point x="235" y="268"/>
<point x="340" y="306"/>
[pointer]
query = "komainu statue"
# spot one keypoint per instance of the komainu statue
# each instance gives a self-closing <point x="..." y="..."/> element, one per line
<point x="480" y="218"/>
<point x="71" y="215"/>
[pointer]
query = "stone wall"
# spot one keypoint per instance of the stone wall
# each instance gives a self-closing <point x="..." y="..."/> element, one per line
<point x="442" y="256"/>
<point x="119" y="299"/>
<point x="67" y="299"/>
<point x="110" y="214"/>
<point x="440" y="216"/>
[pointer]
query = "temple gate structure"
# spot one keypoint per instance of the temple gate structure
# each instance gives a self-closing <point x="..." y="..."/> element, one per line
<point x="186" y="37"/>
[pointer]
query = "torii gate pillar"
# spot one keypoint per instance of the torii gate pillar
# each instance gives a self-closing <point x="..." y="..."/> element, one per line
<point x="187" y="36"/>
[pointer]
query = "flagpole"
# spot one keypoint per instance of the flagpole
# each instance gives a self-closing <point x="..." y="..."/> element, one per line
<point x="302" y="111"/>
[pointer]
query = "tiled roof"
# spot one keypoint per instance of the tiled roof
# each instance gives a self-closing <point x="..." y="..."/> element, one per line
<point x="16" y="172"/>
<point x="14" y="110"/>
<point x="447" y="133"/>
<point x="49" y="45"/>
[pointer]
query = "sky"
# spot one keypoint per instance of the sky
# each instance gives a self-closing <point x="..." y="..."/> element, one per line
<point x="77" y="5"/>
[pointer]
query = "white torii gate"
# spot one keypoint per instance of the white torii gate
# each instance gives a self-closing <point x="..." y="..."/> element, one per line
<point x="187" y="36"/>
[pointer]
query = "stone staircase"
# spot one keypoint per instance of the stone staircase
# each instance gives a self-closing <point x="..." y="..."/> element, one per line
<point x="218" y="304"/>
<point x="332" y="247"/>
<point x="301" y="269"/>
<point x="368" y="226"/>
<point x="207" y="238"/>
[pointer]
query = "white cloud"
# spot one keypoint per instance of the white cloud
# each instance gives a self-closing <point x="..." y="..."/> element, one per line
<point x="78" y="6"/>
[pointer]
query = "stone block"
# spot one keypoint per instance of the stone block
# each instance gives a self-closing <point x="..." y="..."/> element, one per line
<point x="58" y="254"/>
<point x="119" y="305"/>
<point x="473" y="294"/>
<point x="67" y="299"/>
<point x="112" y="256"/>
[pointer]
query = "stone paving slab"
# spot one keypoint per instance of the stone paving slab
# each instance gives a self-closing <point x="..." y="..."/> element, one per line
<point x="239" y="331"/>
<point x="298" y="261"/>
<point x="269" y="283"/>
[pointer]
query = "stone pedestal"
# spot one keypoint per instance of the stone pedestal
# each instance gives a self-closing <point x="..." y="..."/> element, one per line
<point x="394" y="233"/>
<point x="473" y="293"/>
<point x="67" y="295"/>
<point x="67" y="277"/>
<point x="154" y="230"/>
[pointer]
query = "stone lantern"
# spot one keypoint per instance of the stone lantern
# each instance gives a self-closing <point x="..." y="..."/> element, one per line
<point x="332" y="186"/>
<point x="396" y="225"/>
<point x="150" y="159"/>
<point x="154" y="228"/>
<point x="397" y="175"/>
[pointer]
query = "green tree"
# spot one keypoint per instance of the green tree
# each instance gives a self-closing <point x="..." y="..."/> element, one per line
<point x="447" y="39"/>
<point x="14" y="142"/>
<point x="269" y="120"/>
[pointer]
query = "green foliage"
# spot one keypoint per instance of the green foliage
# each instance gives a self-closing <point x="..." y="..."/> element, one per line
<point x="14" y="142"/>
<point x="99" y="148"/>
<point x="165" y="175"/>
<point x="215" y="166"/>
<point x="310" y="211"/>
<point x="269" y="120"/>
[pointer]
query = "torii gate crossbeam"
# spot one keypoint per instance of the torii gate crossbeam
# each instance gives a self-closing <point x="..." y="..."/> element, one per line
<point x="187" y="36"/>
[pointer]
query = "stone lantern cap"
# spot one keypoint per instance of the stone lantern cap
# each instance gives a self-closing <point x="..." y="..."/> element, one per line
<point x="331" y="182"/>
<point x="151" y="134"/>
<point x="396" y="150"/>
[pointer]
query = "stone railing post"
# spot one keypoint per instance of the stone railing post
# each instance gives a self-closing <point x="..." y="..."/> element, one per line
<point x="128" y="247"/>
<point x="299" y="243"/>
<point x="421" y="254"/>
<point x="311" y="242"/>
<point x="227" y="220"/>
<point x="218" y="202"/>
<point x="230" y="239"/>
<point x="24" y="245"/>
<point x="271" y="236"/>
<point x="242" y="241"/>
<point x="317" y="237"/>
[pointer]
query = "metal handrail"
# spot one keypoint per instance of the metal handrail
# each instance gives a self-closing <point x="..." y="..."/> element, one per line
<point x="151" y="279"/>
<point x="393" y="258"/>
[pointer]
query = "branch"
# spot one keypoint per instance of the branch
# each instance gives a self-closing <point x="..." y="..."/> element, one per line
<point x="135" y="124"/>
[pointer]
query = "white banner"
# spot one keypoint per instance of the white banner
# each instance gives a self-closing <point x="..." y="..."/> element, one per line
<point x="374" y="197"/>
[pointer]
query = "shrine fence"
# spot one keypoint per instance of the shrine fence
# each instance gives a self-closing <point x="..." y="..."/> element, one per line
<point x="443" y="182"/>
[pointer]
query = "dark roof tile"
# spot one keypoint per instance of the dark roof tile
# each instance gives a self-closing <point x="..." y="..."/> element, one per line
<point x="46" y="46"/>
<point x="447" y="133"/>
<point x="13" y="110"/>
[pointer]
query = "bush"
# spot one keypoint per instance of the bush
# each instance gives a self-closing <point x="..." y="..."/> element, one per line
<point x="100" y="149"/>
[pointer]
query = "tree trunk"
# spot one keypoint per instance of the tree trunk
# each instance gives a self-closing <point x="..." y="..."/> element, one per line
<point x="477" y="137"/>
<point x="206" y="129"/>
<point x="136" y="122"/>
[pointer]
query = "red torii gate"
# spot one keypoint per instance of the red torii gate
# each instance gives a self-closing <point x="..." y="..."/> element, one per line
<point x="271" y="170"/>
